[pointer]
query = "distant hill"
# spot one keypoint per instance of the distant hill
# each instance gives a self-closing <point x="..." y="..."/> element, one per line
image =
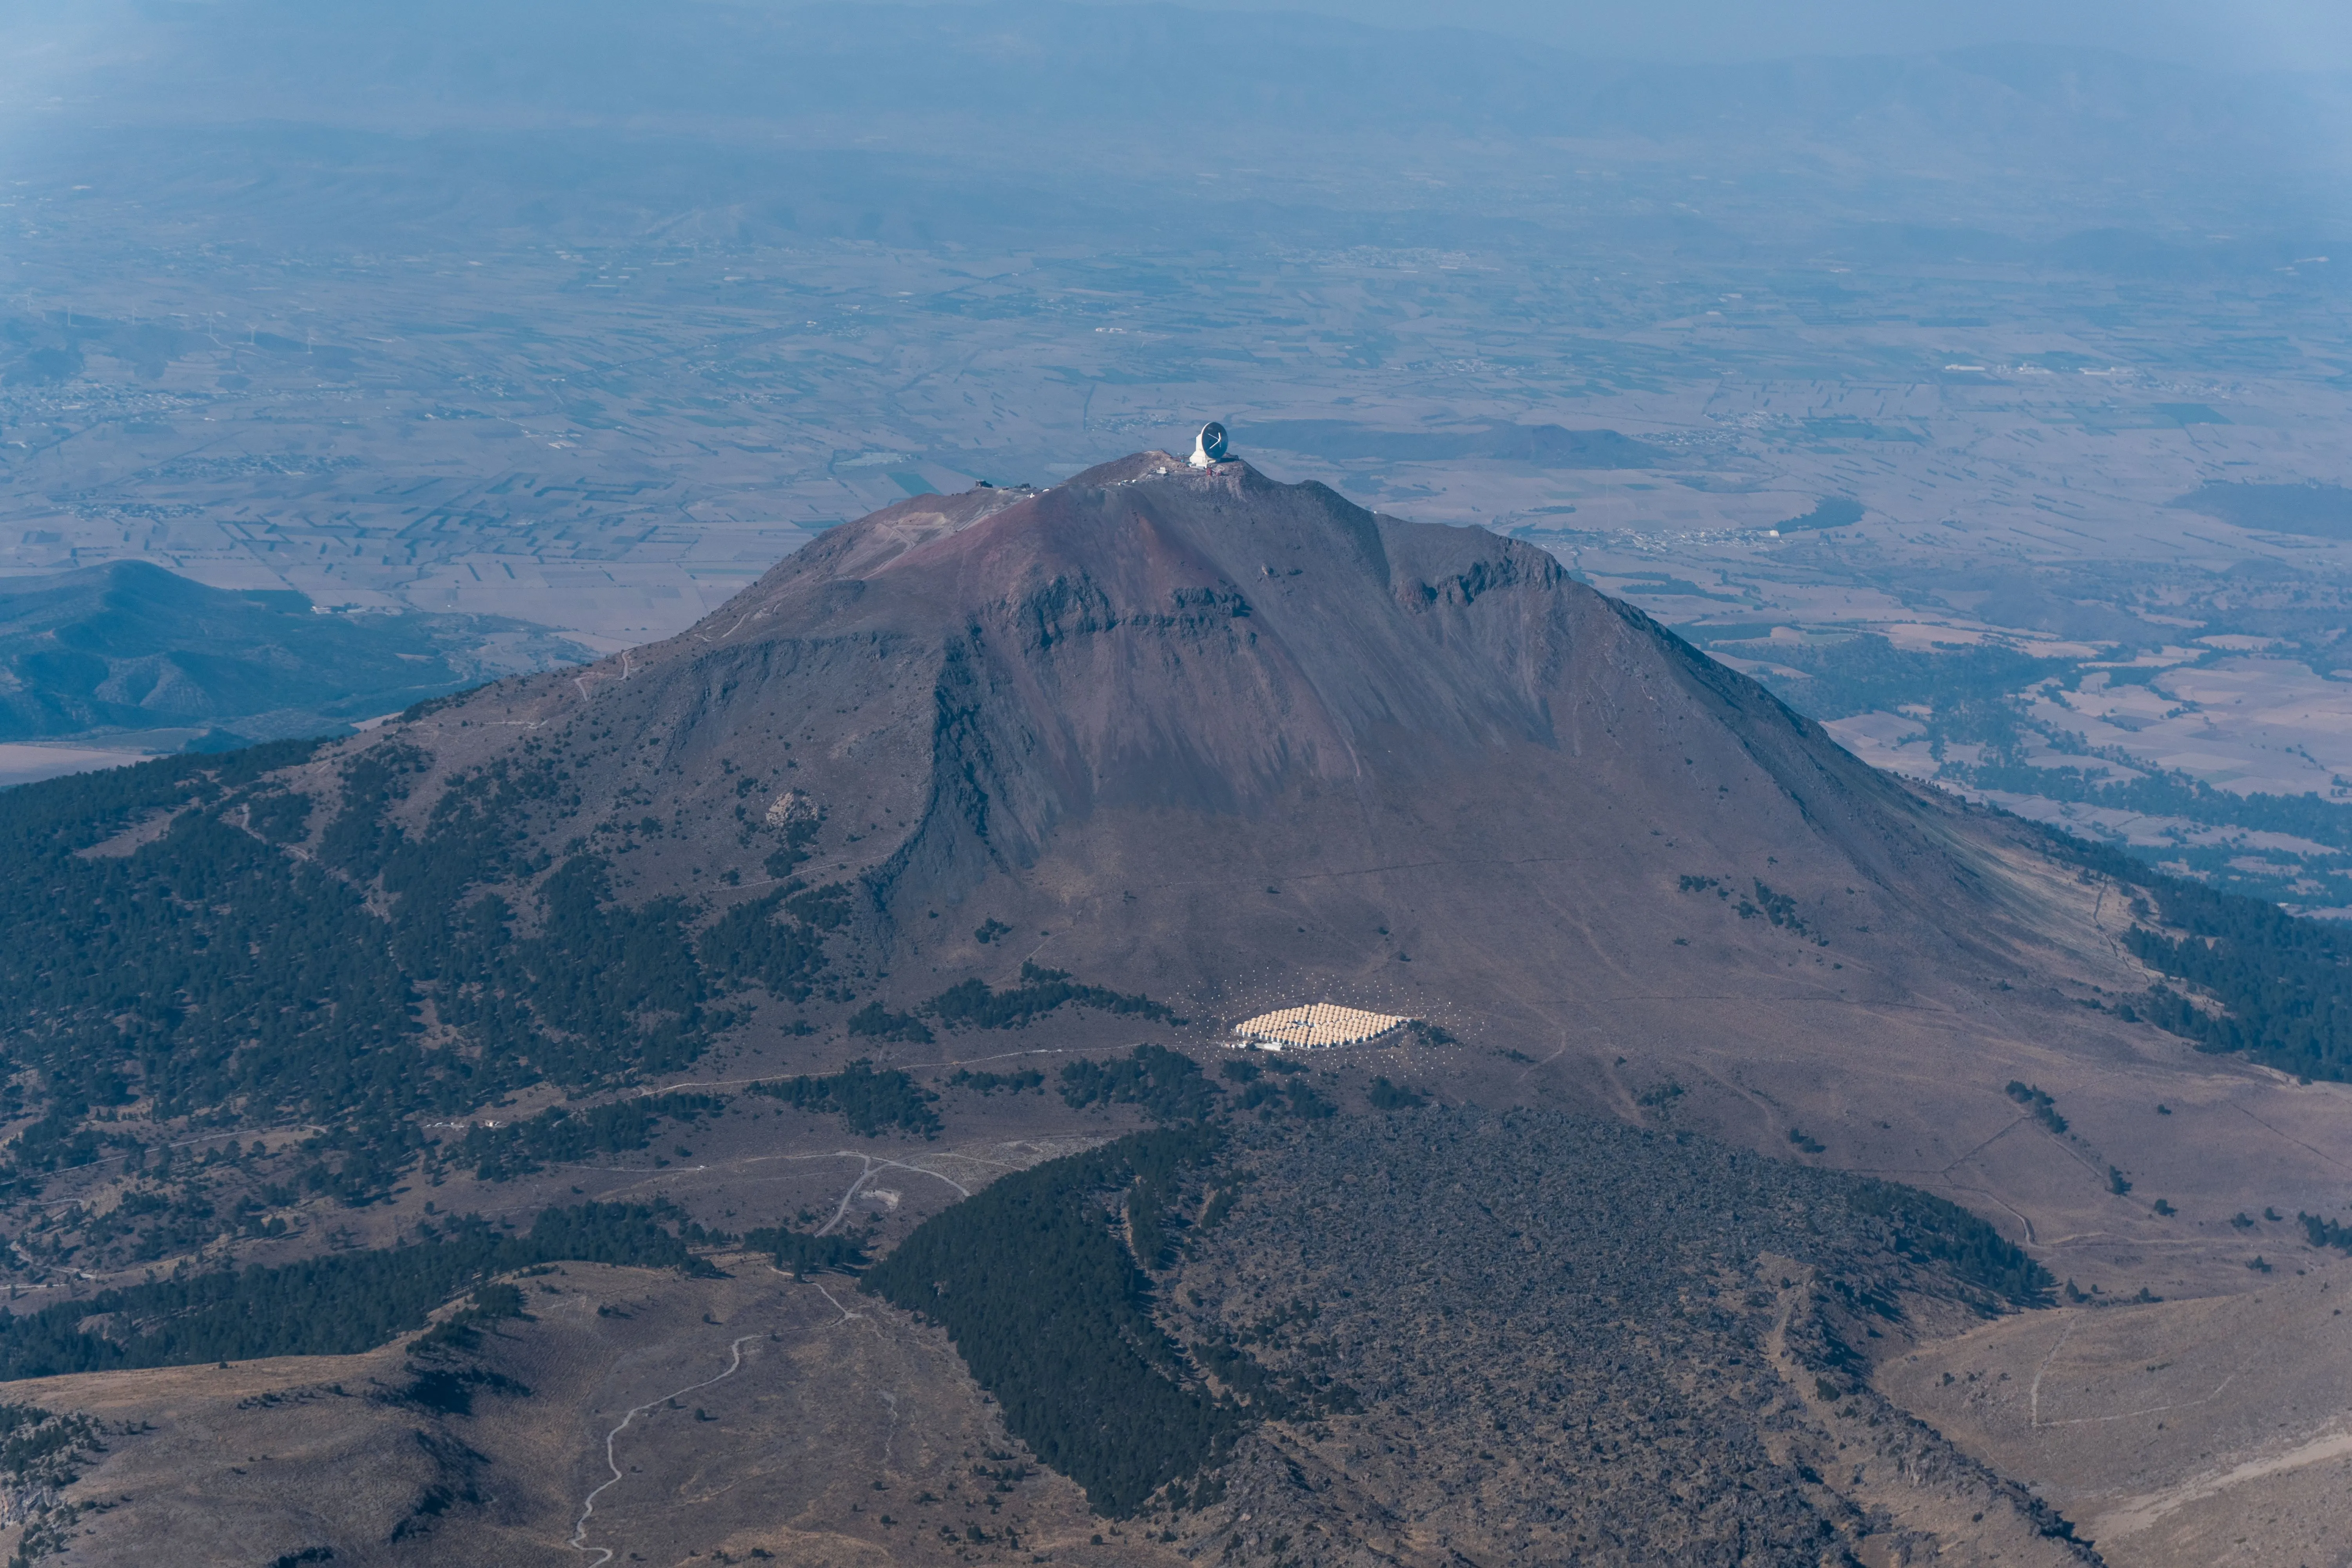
<point x="129" y="646"/>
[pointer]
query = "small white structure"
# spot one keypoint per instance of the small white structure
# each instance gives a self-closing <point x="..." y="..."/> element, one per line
<point x="1315" y="1027"/>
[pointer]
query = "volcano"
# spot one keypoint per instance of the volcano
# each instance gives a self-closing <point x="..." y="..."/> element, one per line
<point x="1238" y="743"/>
<point x="1166" y="742"/>
<point x="990" y="827"/>
<point x="1235" y="745"/>
<point x="1146" y="755"/>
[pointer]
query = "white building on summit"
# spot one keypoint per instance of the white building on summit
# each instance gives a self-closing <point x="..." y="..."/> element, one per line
<point x="1209" y="448"/>
<point x="1316" y="1026"/>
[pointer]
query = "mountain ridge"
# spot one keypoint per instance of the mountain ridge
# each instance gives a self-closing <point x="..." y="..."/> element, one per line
<point x="129" y="646"/>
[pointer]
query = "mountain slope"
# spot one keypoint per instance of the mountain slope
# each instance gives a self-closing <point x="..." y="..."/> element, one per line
<point x="129" y="646"/>
<point x="1233" y="744"/>
<point x="1223" y="737"/>
<point x="1194" y="737"/>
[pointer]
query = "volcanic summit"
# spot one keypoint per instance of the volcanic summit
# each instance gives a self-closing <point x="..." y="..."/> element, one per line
<point x="1237" y="744"/>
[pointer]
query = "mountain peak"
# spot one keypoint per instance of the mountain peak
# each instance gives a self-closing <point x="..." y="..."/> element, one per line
<point x="1223" y="736"/>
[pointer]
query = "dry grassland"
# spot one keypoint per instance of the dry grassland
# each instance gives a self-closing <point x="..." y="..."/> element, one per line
<point x="2178" y="1435"/>
<point x="843" y="1434"/>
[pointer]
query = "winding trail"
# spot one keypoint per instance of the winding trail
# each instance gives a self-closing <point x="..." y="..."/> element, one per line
<point x="579" y="1541"/>
<point x="873" y="1167"/>
<point x="846" y="1315"/>
<point x="2138" y="1513"/>
<point x="2033" y="1395"/>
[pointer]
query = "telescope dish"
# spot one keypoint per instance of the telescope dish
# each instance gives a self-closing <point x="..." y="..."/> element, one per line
<point x="1211" y="446"/>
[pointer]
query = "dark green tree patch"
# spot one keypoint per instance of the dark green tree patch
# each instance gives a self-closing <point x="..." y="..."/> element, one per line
<point x="360" y="834"/>
<point x="1044" y="1280"/>
<point x="602" y="989"/>
<point x="1160" y="1165"/>
<point x="1052" y="1314"/>
<point x="827" y="908"/>
<point x="208" y="967"/>
<point x="1387" y="1096"/>
<point x="2172" y="794"/>
<point x="2324" y="1231"/>
<point x="994" y="1082"/>
<point x="777" y="941"/>
<point x="971" y="1004"/>
<point x="225" y="980"/>
<point x="41" y="1454"/>
<point x="561" y="1134"/>
<point x="1829" y="512"/>
<point x="1167" y="1084"/>
<point x="496" y="1303"/>
<point x="605" y="973"/>
<point x="1779" y="908"/>
<point x="461" y="1330"/>
<point x="1263" y="1393"/>
<point x="1966" y="690"/>
<point x="1928" y="1228"/>
<point x="1257" y="1094"/>
<point x="871" y="1102"/>
<point x="2038" y="1105"/>
<point x="876" y="1022"/>
<point x="33" y="1439"/>
<point x="644" y="1236"/>
<point x="2284" y="981"/>
<point x="280" y="816"/>
<point x="805" y="1255"/>
<point x="800" y="831"/>
<point x="1293" y="1097"/>
<point x="338" y="1304"/>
